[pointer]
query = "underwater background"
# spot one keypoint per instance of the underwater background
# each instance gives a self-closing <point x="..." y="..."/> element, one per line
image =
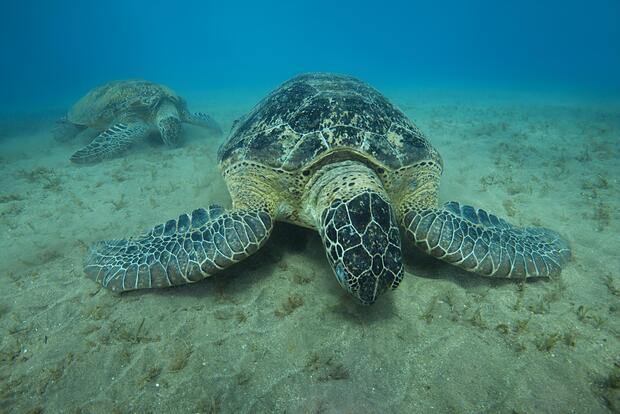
<point x="521" y="99"/>
<point x="54" y="51"/>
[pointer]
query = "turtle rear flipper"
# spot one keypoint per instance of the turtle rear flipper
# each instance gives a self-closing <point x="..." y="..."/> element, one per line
<point x="180" y="251"/>
<point x="485" y="244"/>
<point x="204" y="120"/>
<point x="111" y="142"/>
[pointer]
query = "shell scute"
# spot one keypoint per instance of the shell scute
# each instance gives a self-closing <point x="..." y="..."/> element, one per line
<point x="316" y="114"/>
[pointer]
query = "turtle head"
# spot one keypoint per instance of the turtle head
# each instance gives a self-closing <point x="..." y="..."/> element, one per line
<point x="169" y="123"/>
<point x="360" y="233"/>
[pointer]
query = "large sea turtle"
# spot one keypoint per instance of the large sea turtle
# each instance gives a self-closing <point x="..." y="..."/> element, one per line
<point x="121" y="112"/>
<point x="330" y="153"/>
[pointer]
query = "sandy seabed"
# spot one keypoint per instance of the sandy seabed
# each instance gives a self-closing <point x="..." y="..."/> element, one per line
<point x="276" y="333"/>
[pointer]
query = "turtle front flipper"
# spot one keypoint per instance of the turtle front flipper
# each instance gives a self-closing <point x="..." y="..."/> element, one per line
<point x="111" y="142"/>
<point x="484" y="244"/>
<point x="180" y="251"/>
<point x="202" y="120"/>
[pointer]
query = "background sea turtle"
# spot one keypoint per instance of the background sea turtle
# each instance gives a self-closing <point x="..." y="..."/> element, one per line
<point x="122" y="112"/>
<point x="329" y="153"/>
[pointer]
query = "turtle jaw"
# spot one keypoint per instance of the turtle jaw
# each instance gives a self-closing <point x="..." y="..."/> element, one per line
<point x="362" y="242"/>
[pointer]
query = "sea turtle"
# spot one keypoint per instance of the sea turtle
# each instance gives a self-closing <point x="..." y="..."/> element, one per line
<point x="121" y="112"/>
<point x="329" y="153"/>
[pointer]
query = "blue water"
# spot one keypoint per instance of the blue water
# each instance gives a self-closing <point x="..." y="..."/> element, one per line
<point x="54" y="51"/>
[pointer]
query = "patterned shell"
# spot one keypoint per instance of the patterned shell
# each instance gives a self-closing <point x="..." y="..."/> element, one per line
<point x="315" y="114"/>
<point x="104" y="103"/>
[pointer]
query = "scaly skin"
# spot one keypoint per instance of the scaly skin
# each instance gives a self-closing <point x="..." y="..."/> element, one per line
<point x="473" y="239"/>
<point x="189" y="248"/>
<point x="180" y="251"/>
<point x="358" y="227"/>
<point x="112" y="142"/>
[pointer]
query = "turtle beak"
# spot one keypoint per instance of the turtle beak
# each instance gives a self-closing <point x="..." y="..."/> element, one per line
<point x="362" y="242"/>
